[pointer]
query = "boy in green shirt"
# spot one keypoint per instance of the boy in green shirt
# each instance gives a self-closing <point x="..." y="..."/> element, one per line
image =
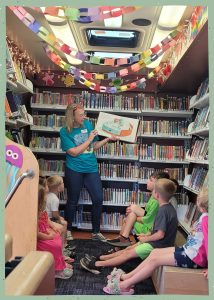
<point x="139" y="219"/>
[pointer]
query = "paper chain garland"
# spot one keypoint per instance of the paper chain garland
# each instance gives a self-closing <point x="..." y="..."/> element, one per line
<point x="94" y="13"/>
<point x="147" y="56"/>
<point x="80" y="76"/>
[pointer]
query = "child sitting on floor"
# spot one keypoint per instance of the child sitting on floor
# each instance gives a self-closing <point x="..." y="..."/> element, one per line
<point x="193" y="254"/>
<point x="56" y="185"/>
<point x="163" y="233"/>
<point x="138" y="218"/>
<point x="49" y="239"/>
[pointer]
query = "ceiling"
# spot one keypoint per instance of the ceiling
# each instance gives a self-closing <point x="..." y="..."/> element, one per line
<point x="29" y="41"/>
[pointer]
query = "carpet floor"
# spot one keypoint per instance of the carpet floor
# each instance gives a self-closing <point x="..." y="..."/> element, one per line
<point x="85" y="283"/>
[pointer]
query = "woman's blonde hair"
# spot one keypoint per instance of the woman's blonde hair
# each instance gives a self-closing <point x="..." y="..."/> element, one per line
<point x="41" y="199"/>
<point x="54" y="181"/>
<point x="202" y="199"/>
<point x="165" y="187"/>
<point x="69" y="115"/>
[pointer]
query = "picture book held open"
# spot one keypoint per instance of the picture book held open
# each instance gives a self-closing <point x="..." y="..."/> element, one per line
<point x="123" y="128"/>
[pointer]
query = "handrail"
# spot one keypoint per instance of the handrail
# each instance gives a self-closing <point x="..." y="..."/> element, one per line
<point x="27" y="174"/>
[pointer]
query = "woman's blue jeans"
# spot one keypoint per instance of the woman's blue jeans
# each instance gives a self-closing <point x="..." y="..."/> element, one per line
<point x="74" y="183"/>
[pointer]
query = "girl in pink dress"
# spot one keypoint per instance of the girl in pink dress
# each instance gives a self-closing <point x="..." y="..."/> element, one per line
<point x="49" y="239"/>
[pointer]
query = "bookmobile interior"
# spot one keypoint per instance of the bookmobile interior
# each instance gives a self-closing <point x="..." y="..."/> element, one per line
<point x="145" y="63"/>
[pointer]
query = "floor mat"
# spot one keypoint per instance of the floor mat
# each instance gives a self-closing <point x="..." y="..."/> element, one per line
<point x="85" y="283"/>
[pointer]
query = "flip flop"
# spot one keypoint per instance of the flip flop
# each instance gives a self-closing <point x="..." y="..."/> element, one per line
<point x="110" y="291"/>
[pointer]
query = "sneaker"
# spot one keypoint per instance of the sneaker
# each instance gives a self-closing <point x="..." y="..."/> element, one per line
<point x="91" y="257"/>
<point x="98" y="237"/>
<point x="70" y="247"/>
<point x="89" y="265"/>
<point x="119" y="242"/>
<point x="64" y="274"/>
<point x="110" y="251"/>
<point x="69" y="236"/>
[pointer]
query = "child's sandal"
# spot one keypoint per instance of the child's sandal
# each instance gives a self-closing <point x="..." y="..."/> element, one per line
<point x="113" y="288"/>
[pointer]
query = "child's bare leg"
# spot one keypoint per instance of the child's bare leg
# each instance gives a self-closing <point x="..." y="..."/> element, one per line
<point x="130" y="220"/>
<point x="155" y="260"/>
<point x="126" y="255"/>
<point x="155" y="253"/>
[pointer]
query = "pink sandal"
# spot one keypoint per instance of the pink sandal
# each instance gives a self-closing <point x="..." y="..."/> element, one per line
<point x="113" y="288"/>
<point x="115" y="273"/>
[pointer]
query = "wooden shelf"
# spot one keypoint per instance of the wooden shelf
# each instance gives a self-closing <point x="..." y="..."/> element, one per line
<point x="192" y="68"/>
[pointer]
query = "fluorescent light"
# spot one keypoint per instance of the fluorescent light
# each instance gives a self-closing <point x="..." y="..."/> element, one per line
<point x="170" y="16"/>
<point x="112" y="54"/>
<point x="113" y="22"/>
<point x="169" y="19"/>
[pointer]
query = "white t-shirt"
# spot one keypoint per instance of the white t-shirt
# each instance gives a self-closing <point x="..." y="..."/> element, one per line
<point x="52" y="204"/>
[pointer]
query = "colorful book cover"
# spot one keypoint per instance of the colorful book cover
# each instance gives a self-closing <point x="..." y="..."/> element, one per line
<point x="125" y="129"/>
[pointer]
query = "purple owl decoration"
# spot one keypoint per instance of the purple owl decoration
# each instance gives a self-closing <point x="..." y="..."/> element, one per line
<point x="14" y="161"/>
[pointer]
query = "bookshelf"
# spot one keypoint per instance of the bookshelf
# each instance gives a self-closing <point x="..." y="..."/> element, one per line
<point x="197" y="156"/>
<point x="118" y="157"/>
<point x="18" y="88"/>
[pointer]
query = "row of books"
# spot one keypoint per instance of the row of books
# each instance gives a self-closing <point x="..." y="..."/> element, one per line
<point x="203" y="89"/>
<point x="199" y="149"/>
<point x="202" y="118"/>
<point x="188" y="214"/>
<point x="108" y="220"/>
<point x="14" y="69"/>
<point x="198" y="180"/>
<point x="119" y="196"/>
<point x="14" y="107"/>
<point x="138" y="102"/>
<point x="162" y="152"/>
<point x="164" y="127"/>
<point x="46" y="143"/>
<point x="123" y="170"/>
<point x="176" y="173"/>
<point x="116" y="196"/>
<point x="119" y="149"/>
<point x="15" y="135"/>
<point x="57" y="166"/>
<point x="48" y="97"/>
<point x="133" y="171"/>
<point x="111" y="101"/>
<point x="49" y="120"/>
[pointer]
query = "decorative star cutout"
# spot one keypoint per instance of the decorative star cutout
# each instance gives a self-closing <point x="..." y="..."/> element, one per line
<point x="48" y="79"/>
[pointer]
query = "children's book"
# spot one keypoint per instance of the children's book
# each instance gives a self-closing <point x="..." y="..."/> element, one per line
<point x="125" y="129"/>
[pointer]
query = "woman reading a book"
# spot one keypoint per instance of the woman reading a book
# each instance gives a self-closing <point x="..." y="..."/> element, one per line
<point x="80" y="140"/>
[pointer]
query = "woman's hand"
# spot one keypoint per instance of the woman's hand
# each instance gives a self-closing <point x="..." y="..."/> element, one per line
<point x="92" y="135"/>
<point x="113" y="138"/>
